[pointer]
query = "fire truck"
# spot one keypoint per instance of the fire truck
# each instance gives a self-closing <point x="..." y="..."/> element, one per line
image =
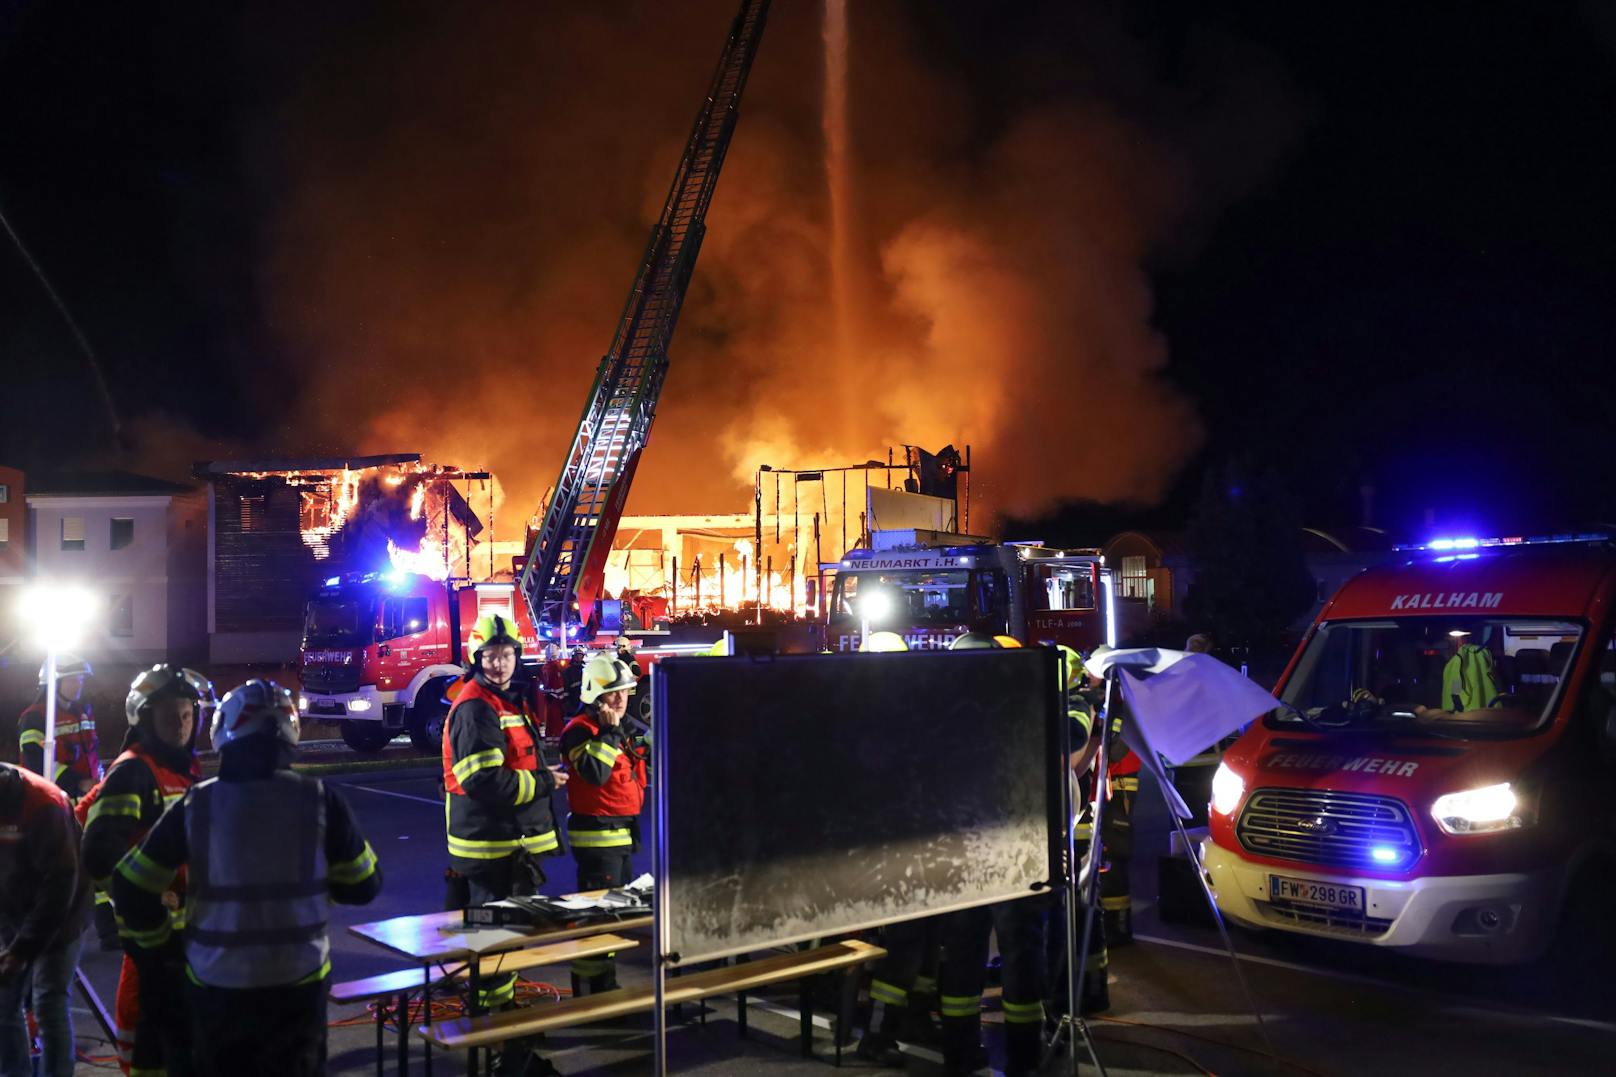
<point x="932" y="586"/>
<point x="365" y="662"/>
<point x="1436" y="776"/>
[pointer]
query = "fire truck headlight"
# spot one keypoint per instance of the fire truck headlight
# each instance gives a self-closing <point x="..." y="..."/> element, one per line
<point x="1479" y="811"/>
<point x="1227" y="789"/>
<point x="303" y="704"/>
<point x="359" y="706"/>
<point x="875" y="606"/>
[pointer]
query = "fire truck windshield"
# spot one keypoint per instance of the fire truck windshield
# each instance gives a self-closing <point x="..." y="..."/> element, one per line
<point x="917" y="598"/>
<point x="339" y="621"/>
<point x="1448" y="676"/>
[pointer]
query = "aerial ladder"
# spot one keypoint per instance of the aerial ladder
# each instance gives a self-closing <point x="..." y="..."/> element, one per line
<point x="566" y="561"/>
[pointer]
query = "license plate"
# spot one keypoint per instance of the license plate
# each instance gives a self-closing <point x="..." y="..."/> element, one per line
<point x="324" y="707"/>
<point x="1311" y="892"/>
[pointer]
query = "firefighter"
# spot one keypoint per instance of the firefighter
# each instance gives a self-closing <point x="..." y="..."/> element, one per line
<point x="1116" y="829"/>
<point x="609" y="769"/>
<point x="155" y="768"/>
<point x="1019" y="926"/>
<point x="498" y="812"/>
<point x="43" y="898"/>
<point x="265" y="848"/>
<point x="78" y="755"/>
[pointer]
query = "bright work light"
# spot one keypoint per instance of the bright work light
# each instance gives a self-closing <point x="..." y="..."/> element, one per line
<point x="56" y="614"/>
<point x="875" y="606"/>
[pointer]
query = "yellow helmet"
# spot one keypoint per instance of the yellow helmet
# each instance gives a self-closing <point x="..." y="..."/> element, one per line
<point x="605" y="673"/>
<point x="1074" y="664"/>
<point x="880" y="642"/>
<point x="491" y="628"/>
<point x="717" y="650"/>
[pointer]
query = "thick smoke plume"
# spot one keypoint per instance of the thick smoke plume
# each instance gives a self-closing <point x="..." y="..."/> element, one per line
<point x="466" y="195"/>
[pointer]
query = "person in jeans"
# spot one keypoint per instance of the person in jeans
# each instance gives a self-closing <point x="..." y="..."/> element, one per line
<point x="44" y="897"/>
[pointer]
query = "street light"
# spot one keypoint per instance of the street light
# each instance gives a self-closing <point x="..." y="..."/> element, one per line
<point x="56" y="615"/>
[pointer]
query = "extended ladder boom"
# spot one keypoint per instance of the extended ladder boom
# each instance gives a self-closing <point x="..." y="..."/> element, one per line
<point x="567" y="559"/>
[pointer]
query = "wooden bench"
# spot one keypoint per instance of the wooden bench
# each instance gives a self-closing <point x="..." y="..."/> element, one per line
<point x="468" y="1033"/>
<point x="405" y="982"/>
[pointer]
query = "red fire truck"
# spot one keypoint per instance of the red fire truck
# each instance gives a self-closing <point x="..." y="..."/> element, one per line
<point x="380" y="649"/>
<point x="930" y="587"/>
<point x="1436" y="776"/>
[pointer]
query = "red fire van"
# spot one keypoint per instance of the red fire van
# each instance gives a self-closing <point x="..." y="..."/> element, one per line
<point x="1438" y="773"/>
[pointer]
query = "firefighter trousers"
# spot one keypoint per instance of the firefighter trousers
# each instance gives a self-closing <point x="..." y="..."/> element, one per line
<point x="600" y="869"/>
<point x="153" y="1024"/>
<point x="1116" y="898"/>
<point x="259" y="1031"/>
<point x="1019" y="926"/>
<point x="899" y="977"/>
<point x="519" y="874"/>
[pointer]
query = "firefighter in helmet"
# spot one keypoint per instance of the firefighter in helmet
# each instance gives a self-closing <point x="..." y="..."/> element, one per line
<point x="164" y="707"/>
<point x="499" y="817"/>
<point x="608" y="766"/>
<point x="265" y="848"/>
<point x="77" y="766"/>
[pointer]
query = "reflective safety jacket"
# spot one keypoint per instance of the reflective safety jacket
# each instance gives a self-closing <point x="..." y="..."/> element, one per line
<point x="122" y="809"/>
<point x="263" y="856"/>
<point x="498" y="801"/>
<point x="43" y="890"/>
<point x="78" y="752"/>
<point x="608" y="786"/>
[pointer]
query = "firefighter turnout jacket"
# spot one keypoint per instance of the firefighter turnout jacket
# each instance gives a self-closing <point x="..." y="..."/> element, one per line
<point x="78" y="754"/>
<point x="498" y="790"/>
<point x="123" y="808"/>
<point x="263" y="855"/>
<point x="43" y="892"/>
<point x="608" y="787"/>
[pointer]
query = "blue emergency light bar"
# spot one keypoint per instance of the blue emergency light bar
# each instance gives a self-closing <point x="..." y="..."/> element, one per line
<point x="1447" y="545"/>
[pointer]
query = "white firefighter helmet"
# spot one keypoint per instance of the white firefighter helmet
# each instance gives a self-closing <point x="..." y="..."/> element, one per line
<point x="165" y="680"/>
<point x="605" y="673"/>
<point x="256" y="707"/>
<point x="67" y="665"/>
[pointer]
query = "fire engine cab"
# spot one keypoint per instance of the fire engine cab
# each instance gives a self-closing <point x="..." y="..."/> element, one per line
<point x="931" y="586"/>
<point x="1437" y="775"/>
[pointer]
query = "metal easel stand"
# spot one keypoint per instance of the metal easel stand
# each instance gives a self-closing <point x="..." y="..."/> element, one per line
<point x="1081" y="892"/>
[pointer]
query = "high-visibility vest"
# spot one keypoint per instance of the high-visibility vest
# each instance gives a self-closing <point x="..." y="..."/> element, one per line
<point x="622" y="795"/>
<point x="479" y="833"/>
<point x="257" y="882"/>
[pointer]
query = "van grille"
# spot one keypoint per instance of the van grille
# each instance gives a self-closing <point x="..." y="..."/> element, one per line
<point x="1316" y="826"/>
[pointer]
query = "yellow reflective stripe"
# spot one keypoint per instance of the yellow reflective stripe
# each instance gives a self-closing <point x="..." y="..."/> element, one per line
<point x="959" y="1005"/>
<point x="317" y="975"/>
<point x="600" y="839"/>
<point x="176" y="918"/>
<point x="32" y="736"/>
<point x="1022" y="1013"/>
<point x="527" y="786"/>
<point x="1083" y="831"/>
<point x="472" y="849"/>
<point x="356" y="870"/>
<point x="577" y="751"/>
<point x="511" y="721"/>
<point x="1112" y="904"/>
<point x="590" y="966"/>
<point x="603" y="752"/>
<point x="1126" y="785"/>
<point x="148" y="940"/>
<point x="470" y="765"/>
<point x="891" y="994"/>
<point x="541" y="843"/>
<point x="1083" y="719"/>
<point x="169" y="798"/>
<point x="1097" y="961"/>
<point x="145" y="872"/>
<point x="101" y="895"/>
<point x="127" y="804"/>
<point x="61" y="768"/>
<point x="499" y="994"/>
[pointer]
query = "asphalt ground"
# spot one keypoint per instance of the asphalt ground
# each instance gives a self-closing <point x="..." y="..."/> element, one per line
<point x="1178" y="1004"/>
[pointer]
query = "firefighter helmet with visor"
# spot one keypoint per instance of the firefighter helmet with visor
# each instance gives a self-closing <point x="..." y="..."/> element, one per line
<point x="605" y="673"/>
<point x="161" y="681"/>
<point x="256" y="707"/>
<point x="491" y="628"/>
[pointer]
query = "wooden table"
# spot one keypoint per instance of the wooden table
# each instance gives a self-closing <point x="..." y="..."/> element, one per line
<point x="441" y="938"/>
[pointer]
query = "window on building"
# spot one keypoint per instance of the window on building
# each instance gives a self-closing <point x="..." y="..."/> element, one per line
<point x="5" y="532"/>
<point x="72" y="532"/>
<point x="123" y="532"/>
<point x="123" y="615"/>
<point x="1135" y="578"/>
<point x="5" y="492"/>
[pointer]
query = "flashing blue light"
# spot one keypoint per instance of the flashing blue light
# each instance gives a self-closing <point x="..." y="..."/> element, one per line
<point x="393" y="577"/>
<point x="1384" y="854"/>
<point x="1491" y="542"/>
<point x="332" y="581"/>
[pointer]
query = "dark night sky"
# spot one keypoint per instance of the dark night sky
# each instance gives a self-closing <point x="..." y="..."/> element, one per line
<point x="1417" y="295"/>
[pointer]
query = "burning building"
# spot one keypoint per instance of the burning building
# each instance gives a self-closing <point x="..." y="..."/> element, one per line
<point x="276" y="529"/>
